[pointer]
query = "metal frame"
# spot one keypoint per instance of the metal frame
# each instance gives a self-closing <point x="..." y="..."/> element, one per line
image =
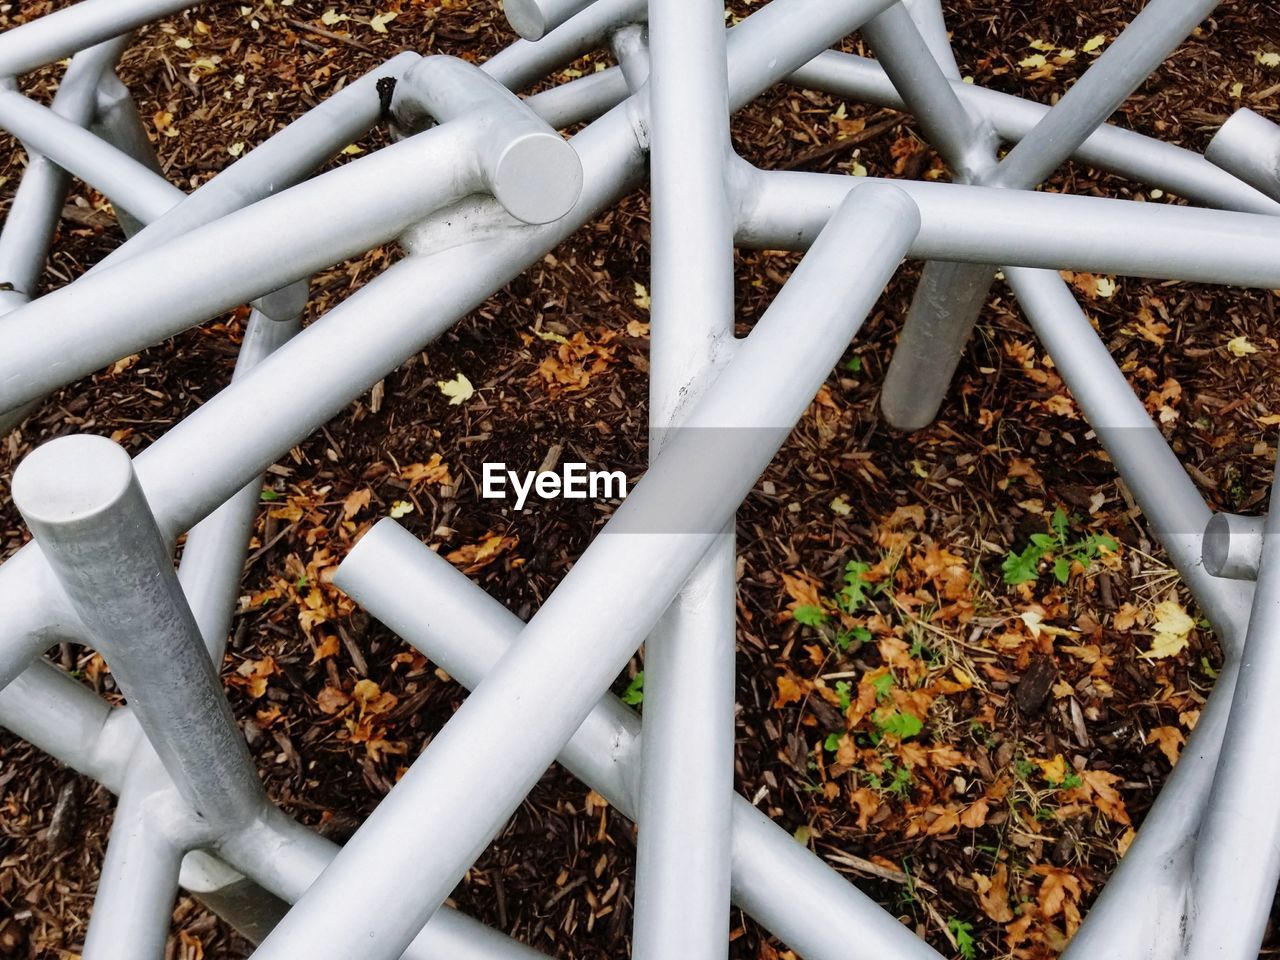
<point x="478" y="186"/>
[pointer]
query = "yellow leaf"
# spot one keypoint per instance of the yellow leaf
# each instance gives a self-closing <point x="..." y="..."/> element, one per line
<point x="182" y="43"/>
<point x="331" y="17"/>
<point x="1268" y="59"/>
<point x="1093" y="43"/>
<point x="1033" y="62"/>
<point x="351" y="149"/>
<point x="1169" y="740"/>
<point x="840" y="506"/>
<point x="1172" y="628"/>
<point x="327" y="648"/>
<point x="1055" y="770"/>
<point x="1237" y="89"/>
<point x="236" y="148"/>
<point x="641" y="298"/>
<point x="1105" y="287"/>
<point x="1241" y="347"/>
<point x="380" y="21"/>
<point x="1042" y="45"/>
<point x="458" y="390"/>
<point x="400" y="508"/>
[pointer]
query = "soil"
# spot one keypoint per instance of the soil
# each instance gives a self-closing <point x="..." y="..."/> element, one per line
<point x="974" y="754"/>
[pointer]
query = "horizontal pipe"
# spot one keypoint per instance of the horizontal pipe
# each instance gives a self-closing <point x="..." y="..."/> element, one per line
<point x="966" y="224"/>
<point x="454" y="623"/>
<point x="534" y="19"/>
<point x="119" y="310"/>
<point x="525" y="62"/>
<point x="60" y="34"/>
<point x="1124" y="152"/>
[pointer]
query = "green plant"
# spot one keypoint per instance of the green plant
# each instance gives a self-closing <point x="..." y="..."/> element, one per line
<point x="634" y="694"/>
<point x="852" y="596"/>
<point x="963" y="933"/>
<point x="1024" y="566"/>
<point x="904" y="726"/>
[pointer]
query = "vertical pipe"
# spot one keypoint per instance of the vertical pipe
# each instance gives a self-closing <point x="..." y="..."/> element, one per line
<point x="683" y="846"/>
<point x="949" y="299"/>
<point x="1237" y="852"/>
<point x="82" y="501"/>
<point x="139" y="878"/>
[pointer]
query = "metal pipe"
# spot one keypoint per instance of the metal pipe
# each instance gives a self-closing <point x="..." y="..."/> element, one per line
<point x="139" y="879"/>
<point x="525" y="164"/>
<point x="965" y="142"/>
<point x="966" y="224"/>
<point x="1132" y="57"/>
<point x="1110" y="148"/>
<point x="39" y="42"/>
<point x="684" y="845"/>
<point x="1237" y="850"/>
<point x="1233" y="546"/>
<point x="122" y="179"/>
<point x="524" y="63"/>
<point x="114" y="312"/>
<point x="779" y="882"/>
<point x="1248" y="146"/>
<point x="580" y="100"/>
<point x="534" y="19"/>
<point x="86" y="509"/>
<point x="446" y="808"/>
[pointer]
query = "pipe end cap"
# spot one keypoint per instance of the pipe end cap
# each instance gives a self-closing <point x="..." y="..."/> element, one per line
<point x="71" y="478"/>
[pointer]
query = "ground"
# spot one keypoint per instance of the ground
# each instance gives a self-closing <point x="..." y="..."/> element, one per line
<point x="972" y="751"/>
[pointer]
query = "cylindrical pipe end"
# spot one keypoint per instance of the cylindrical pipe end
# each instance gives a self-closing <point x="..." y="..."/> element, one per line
<point x="537" y="177"/>
<point x="526" y="18"/>
<point x="1232" y="546"/>
<point x="70" y="481"/>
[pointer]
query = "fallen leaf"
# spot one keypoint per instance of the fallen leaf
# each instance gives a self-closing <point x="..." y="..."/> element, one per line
<point x="401" y="508"/>
<point x="328" y="648"/>
<point x="993" y="894"/>
<point x="355" y="501"/>
<point x="1172" y="628"/>
<point x="1093" y="43"/>
<point x="458" y="390"/>
<point x="1241" y="347"/>
<point x="1169" y="740"/>
<point x="379" y="22"/>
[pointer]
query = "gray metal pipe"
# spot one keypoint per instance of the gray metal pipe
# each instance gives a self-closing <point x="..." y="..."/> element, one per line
<point x="86" y="509"/>
<point x="1248" y="146"/>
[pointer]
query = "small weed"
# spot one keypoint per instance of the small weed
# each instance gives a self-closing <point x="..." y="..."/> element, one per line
<point x="1024" y="566"/>
<point x="963" y="933"/>
<point x="634" y="694"/>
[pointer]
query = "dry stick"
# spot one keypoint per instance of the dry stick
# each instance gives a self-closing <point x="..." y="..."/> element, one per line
<point x="329" y="35"/>
<point x="839" y="146"/>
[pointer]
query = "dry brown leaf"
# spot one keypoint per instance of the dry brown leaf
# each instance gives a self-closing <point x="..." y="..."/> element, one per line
<point x="993" y="894"/>
<point x="1169" y="740"/>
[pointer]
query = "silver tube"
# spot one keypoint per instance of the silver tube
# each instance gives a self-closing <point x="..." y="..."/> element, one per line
<point x="122" y="179"/>
<point x="1233" y="546"/>
<point x="1132" y="57"/>
<point x="82" y="501"/>
<point x="684" y="844"/>
<point x="533" y="19"/>
<point x="1166" y="494"/>
<point x="113" y="312"/>
<point x="779" y="882"/>
<point x="1110" y="148"/>
<point x="523" y="62"/>
<point x="582" y="99"/>
<point x="967" y="224"/>
<point x="139" y="879"/>
<point x="526" y="165"/>
<point x="1237" y="851"/>
<point x="61" y="33"/>
<point x="279" y="162"/>
<point x="65" y="719"/>
<point x="1248" y="146"/>
<point x="444" y="811"/>
<point x="932" y="25"/>
<point x="965" y="142"/>
<point x="286" y="858"/>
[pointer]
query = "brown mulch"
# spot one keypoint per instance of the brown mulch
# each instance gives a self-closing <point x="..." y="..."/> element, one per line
<point x="1038" y="749"/>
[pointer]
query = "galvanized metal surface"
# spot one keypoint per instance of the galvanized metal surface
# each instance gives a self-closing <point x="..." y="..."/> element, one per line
<point x="479" y="186"/>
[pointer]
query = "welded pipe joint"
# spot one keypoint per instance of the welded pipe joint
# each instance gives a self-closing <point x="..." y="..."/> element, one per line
<point x="528" y="167"/>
